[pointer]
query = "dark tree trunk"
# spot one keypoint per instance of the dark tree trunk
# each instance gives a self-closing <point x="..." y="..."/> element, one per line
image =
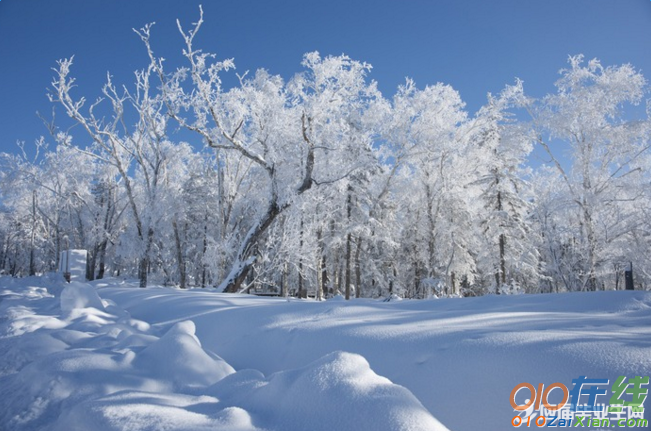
<point x="203" y="251"/>
<point x="90" y="263"/>
<point x="500" y="277"/>
<point x="32" y="262"/>
<point x="102" y="260"/>
<point x="340" y="278"/>
<point x="14" y="264"/>
<point x="244" y="259"/>
<point x="301" y="287"/>
<point x="3" y="252"/>
<point x="358" y="270"/>
<point x="179" y="254"/>
<point x="108" y="220"/>
<point x="143" y="267"/>
<point x="142" y="271"/>
<point x="503" y="258"/>
<point x="349" y="208"/>
<point x="320" y="267"/>
<point x="348" y="240"/>
<point x="392" y="278"/>
<point x="284" y="291"/>
<point x="324" y="274"/>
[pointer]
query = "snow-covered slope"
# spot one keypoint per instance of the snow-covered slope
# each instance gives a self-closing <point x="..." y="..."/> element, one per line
<point x="72" y="361"/>
<point x="161" y="358"/>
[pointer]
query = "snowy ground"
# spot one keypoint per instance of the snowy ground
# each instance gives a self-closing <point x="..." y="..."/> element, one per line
<point x="114" y="357"/>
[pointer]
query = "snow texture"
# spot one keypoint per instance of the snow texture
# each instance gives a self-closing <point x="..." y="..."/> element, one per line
<point x="80" y="295"/>
<point x="74" y="361"/>
<point x="80" y="357"/>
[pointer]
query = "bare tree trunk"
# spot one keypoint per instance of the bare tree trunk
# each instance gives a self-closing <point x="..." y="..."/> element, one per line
<point x="244" y="258"/>
<point x="320" y="267"/>
<point x="284" y="291"/>
<point x="301" y="287"/>
<point x="142" y="271"/>
<point x="392" y="278"/>
<point x="501" y="276"/>
<point x="32" y="263"/>
<point x="591" y="282"/>
<point x="319" y="290"/>
<point x="340" y="277"/>
<point x="14" y="264"/>
<point x="91" y="256"/>
<point x="57" y="247"/>
<point x="203" y="251"/>
<point x="348" y="240"/>
<point x="102" y="259"/>
<point x="324" y="274"/>
<point x="179" y="254"/>
<point x="432" y="217"/>
<point x="108" y="219"/>
<point x="143" y="267"/>
<point x="503" y="258"/>
<point x="358" y="270"/>
<point x="417" y="271"/>
<point x="4" y="251"/>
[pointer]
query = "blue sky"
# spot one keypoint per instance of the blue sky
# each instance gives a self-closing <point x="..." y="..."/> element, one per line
<point x="476" y="46"/>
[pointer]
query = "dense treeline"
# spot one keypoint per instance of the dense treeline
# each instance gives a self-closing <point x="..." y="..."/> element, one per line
<point x="320" y="184"/>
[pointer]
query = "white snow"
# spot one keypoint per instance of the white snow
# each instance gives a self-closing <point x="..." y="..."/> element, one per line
<point x="84" y="357"/>
<point x="178" y="356"/>
<point x="80" y="295"/>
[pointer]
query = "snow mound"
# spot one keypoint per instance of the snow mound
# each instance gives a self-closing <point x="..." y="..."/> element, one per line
<point x="177" y="356"/>
<point x="314" y="398"/>
<point x="63" y="356"/>
<point x="141" y="411"/>
<point x="145" y="361"/>
<point x="80" y="295"/>
<point x="76" y="362"/>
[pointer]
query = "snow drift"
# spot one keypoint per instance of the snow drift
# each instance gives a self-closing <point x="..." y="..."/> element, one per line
<point x="74" y="361"/>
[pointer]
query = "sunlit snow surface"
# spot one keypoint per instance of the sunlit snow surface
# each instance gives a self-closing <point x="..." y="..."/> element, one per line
<point x="116" y="357"/>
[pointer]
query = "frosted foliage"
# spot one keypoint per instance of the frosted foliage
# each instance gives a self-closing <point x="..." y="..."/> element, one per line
<point x="318" y="184"/>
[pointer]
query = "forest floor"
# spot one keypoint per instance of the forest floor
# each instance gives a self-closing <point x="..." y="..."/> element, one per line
<point x="110" y="356"/>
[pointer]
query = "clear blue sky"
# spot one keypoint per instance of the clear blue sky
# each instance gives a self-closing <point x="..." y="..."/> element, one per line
<point x="477" y="46"/>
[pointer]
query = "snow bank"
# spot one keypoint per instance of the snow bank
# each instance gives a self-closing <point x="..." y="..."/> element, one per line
<point x="85" y="363"/>
<point x="460" y="357"/>
<point x="143" y="359"/>
<point x="80" y="295"/>
<point x="56" y="359"/>
<point x="336" y="392"/>
<point x="178" y="356"/>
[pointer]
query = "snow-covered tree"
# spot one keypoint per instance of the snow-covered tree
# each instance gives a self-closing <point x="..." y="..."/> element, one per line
<point x="500" y="151"/>
<point x="587" y="119"/>
<point x="284" y="130"/>
<point x="319" y="185"/>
